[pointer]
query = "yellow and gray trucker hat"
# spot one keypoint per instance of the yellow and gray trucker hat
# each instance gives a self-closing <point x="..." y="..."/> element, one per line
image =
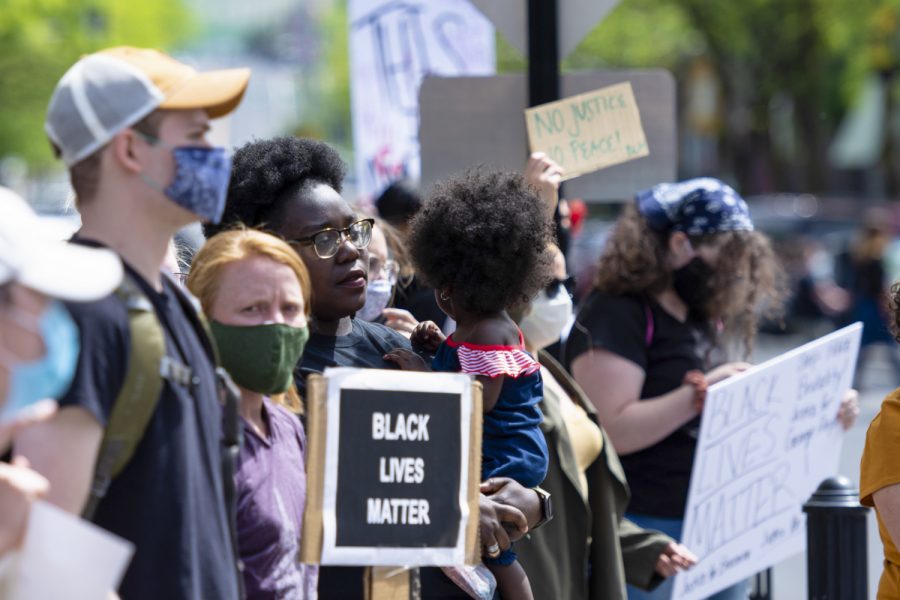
<point x="105" y="92"/>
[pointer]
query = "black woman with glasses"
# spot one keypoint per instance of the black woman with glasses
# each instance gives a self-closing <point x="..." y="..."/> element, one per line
<point x="291" y="187"/>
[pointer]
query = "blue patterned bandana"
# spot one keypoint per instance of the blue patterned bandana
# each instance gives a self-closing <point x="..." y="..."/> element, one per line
<point x="695" y="207"/>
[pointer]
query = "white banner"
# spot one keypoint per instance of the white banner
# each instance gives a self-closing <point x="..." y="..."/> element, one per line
<point x="768" y="438"/>
<point x="63" y="556"/>
<point x="393" y="46"/>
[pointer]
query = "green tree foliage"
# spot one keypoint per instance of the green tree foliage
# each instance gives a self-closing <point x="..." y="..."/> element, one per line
<point x="40" y="39"/>
<point x="328" y="114"/>
<point x="813" y="54"/>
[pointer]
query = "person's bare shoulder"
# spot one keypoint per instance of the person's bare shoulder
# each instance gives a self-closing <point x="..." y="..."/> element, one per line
<point x="497" y="330"/>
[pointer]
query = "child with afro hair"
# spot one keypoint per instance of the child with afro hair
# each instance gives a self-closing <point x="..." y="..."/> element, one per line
<point x="481" y="241"/>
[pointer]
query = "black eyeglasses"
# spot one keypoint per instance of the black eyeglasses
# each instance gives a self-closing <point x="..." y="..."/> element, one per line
<point x="328" y="241"/>
<point x="556" y="285"/>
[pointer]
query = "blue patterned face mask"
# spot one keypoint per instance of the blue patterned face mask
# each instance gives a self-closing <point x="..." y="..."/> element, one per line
<point x="201" y="179"/>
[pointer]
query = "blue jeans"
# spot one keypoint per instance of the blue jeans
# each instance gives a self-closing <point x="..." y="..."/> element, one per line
<point x="672" y="528"/>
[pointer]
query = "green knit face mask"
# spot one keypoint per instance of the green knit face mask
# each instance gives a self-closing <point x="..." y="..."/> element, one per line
<point x="260" y="358"/>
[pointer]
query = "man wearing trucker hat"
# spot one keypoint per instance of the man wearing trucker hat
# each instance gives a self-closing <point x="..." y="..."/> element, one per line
<point x="131" y="125"/>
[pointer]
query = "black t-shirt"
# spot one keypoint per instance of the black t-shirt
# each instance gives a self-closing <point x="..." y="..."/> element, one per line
<point x="363" y="347"/>
<point x="168" y="500"/>
<point x="869" y="278"/>
<point x="659" y="476"/>
<point x="419" y="300"/>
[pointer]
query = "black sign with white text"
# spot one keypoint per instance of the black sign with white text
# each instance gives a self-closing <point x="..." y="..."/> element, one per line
<point x="398" y="469"/>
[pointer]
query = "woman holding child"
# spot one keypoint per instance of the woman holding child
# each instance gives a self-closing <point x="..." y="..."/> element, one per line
<point x="291" y="187"/>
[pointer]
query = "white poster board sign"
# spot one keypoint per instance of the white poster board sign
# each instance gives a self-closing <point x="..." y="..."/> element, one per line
<point x="63" y="557"/>
<point x="768" y="438"/>
<point x="393" y="46"/>
<point x="397" y="460"/>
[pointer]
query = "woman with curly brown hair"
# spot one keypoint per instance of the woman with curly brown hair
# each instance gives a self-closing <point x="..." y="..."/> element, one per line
<point x="680" y="285"/>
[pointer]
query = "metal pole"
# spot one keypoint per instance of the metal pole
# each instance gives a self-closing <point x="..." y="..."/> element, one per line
<point x="836" y="542"/>
<point x="543" y="51"/>
<point x="762" y="586"/>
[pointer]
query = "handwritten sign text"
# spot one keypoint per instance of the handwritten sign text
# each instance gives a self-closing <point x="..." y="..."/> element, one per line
<point x="589" y="131"/>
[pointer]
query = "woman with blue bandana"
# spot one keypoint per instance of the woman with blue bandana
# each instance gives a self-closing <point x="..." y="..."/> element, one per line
<point x="681" y="283"/>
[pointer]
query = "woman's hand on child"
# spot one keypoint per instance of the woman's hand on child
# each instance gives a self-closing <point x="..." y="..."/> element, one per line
<point x="496" y="520"/>
<point x="406" y="360"/>
<point x="427" y="336"/>
<point x="510" y="494"/>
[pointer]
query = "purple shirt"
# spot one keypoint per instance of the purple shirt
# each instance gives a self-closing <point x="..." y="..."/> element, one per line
<point x="271" y="494"/>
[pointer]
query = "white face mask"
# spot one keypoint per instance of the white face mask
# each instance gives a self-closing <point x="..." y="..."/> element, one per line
<point x="548" y="317"/>
<point x="378" y="294"/>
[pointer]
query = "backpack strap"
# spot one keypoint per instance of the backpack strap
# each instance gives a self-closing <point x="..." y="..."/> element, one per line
<point x="232" y="438"/>
<point x="137" y="400"/>
<point x="232" y="431"/>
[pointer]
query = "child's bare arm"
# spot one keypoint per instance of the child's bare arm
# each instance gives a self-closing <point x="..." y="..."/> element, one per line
<point x="512" y="581"/>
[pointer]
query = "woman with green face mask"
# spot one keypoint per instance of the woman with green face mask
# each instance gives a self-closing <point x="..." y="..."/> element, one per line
<point x="255" y="292"/>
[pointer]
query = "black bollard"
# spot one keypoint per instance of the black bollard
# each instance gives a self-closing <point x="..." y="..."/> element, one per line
<point x="836" y="564"/>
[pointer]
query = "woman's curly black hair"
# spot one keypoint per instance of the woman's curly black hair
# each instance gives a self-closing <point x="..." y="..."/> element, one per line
<point x="266" y="172"/>
<point x="486" y="235"/>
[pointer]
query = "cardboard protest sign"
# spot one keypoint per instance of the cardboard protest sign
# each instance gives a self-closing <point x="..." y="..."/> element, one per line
<point x="589" y="131"/>
<point x="393" y="468"/>
<point x="768" y="437"/>
<point x="478" y="120"/>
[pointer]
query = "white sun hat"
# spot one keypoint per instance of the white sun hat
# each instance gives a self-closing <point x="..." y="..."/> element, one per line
<point x="32" y="256"/>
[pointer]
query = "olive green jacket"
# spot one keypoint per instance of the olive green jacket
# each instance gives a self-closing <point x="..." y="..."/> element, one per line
<point x="556" y="555"/>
